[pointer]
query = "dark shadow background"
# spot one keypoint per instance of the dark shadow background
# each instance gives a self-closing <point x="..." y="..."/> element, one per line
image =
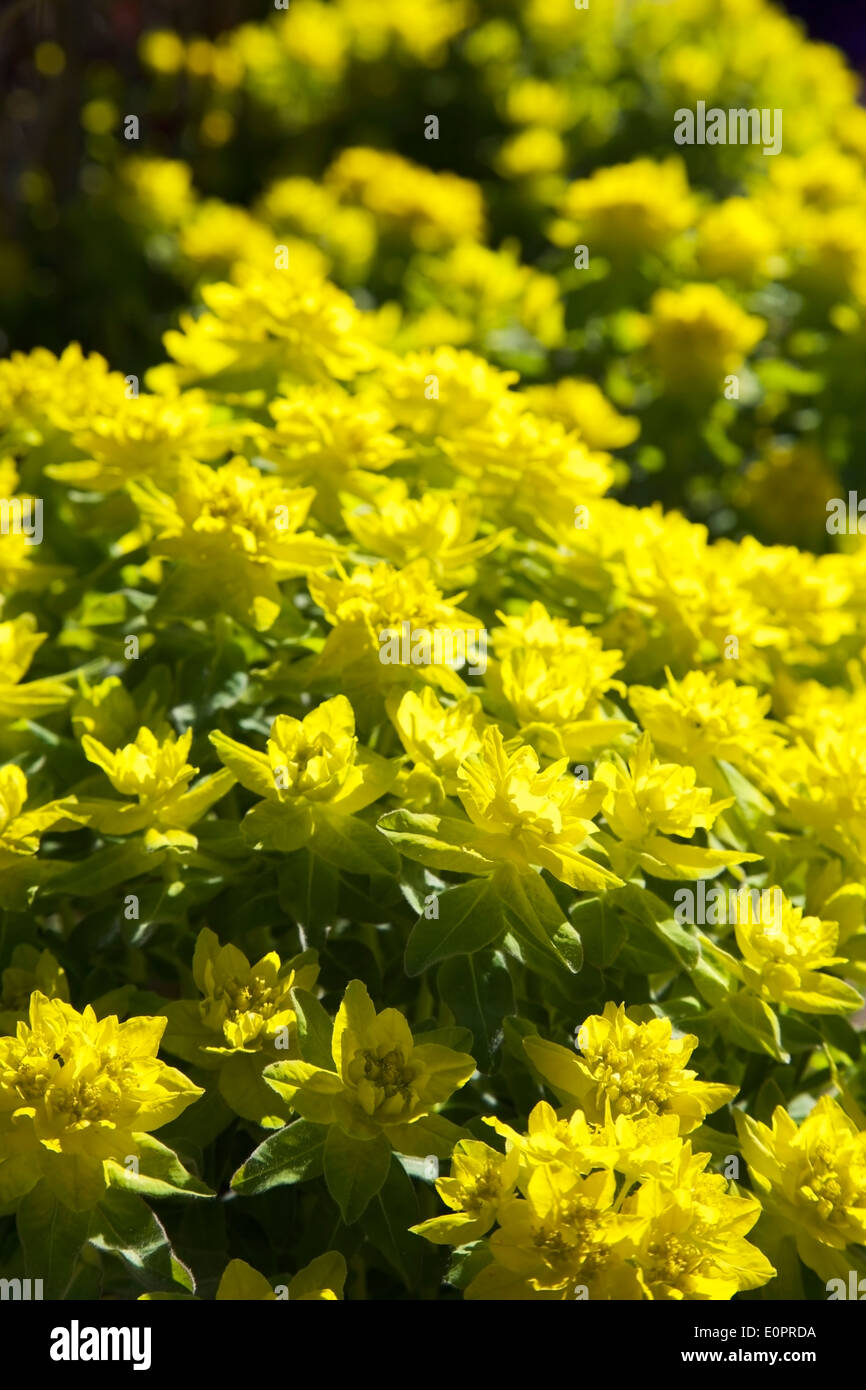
<point x="842" y="22"/>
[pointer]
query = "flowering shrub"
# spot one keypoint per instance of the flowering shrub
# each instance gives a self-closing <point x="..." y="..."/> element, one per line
<point x="369" y="752"/>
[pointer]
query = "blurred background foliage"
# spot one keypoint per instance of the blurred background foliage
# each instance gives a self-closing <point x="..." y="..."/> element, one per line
<point x="257" y="125"/>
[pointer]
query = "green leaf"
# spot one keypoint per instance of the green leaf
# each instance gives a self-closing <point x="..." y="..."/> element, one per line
<point x="309" y="889"/>
<point x="458" y="1039"/>
<point x="276" y="826"/>
<point x="752" y="805"/>
<point x="160" y="1173"/>
<point x="466" y="1262"/>
<point x="199" y="1124"/>
<point x="315" y="1030"/>
<point x="354" y="846"/>
<point x="470" y="918"/>
<point x="326" y="1271"/>
<point x="531" y="903"/>
<point x="124" y="1225"/>
<point x="387" y="1220"/>
<point x="601" y="930"/>
<point x="642" y="910"/>
<point x="840" y="1033"/>
<point x="105" y="869"/>
<point x="439" y="842"/>
<point x="355" y="1170"/>
<point x="433" y="1135"/>
<point x="769" y="1096"/>
<point x="51" y="1239"/>
<point x="715" y="973"/>
<point x="249" y="1095"/>
<point x="751" y="1023"/>
<point x="478" y="991"/>
<point x="292" y="1155"/>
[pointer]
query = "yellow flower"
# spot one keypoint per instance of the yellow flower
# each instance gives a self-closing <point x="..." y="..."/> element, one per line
<point x="438" y="739"/>
<point x="312" y="772"/>
<point x="535" y="150"/>
<point x="812" y="1179"/>
<point x="697" y="335"/>
<point x="577" y="1232"/>
<point x="525" y="465"/>
<point x="630" y="1069"/>
<point x="422" y="34"/>
<point x="269" y="323"/>
<point x="694" y="1245"/>
<point x="159" y="192"/>
<point x="217" y="126"/>
<point x="374" y="609"/>
<point x="316" y="36"/>
<point x="701" y="718"/>
<point x="490" y="289"/>
<point x="481" y="1180"/>
<point x="157" y="774"/>
<point x="649" y="801"/>
<point x="245" y="1007"/>
<point x="823" y="177"/>
<point x="689" y="69"/>
<point x="784" y="954"/>
<point x="827" y="789"/>
<point x="219" y="234"/>
<point x="441" y="525"/>
<point x="831" y="263"/>
<point x="568" y="1140"/>
<point x="236" y="533"/>
<point x="532" y="102"/>
<point x="627" y="209"/>
<point x="535" y="630"/>
<point x="162" y="50"/>
<point x="19" y="643"/>
<point x="347" y="235"/>
<point x="325" y="436"/>
<point x="582" y="407"/>
<point x="149" y="438"/>
<point x="383" y="1082"/>
<point x="443" y="392"/>
<point x="531" y="818"/>
<point x="564" y="1234"/>
<point x="670" y="578"/>
<point x="20" y="830"/>
<point x="55" y="395"/>
<point x="735" y="239"/>
<point x="432" y="210"/>
<point x="77" y="1091"/>
<point x="245" y="1020"/>
<point x="802" y="601"/>
<point x="557" y="694"/>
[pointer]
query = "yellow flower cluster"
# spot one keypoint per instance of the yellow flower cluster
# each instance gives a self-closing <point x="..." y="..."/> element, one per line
<point x="604" y="1199"/>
